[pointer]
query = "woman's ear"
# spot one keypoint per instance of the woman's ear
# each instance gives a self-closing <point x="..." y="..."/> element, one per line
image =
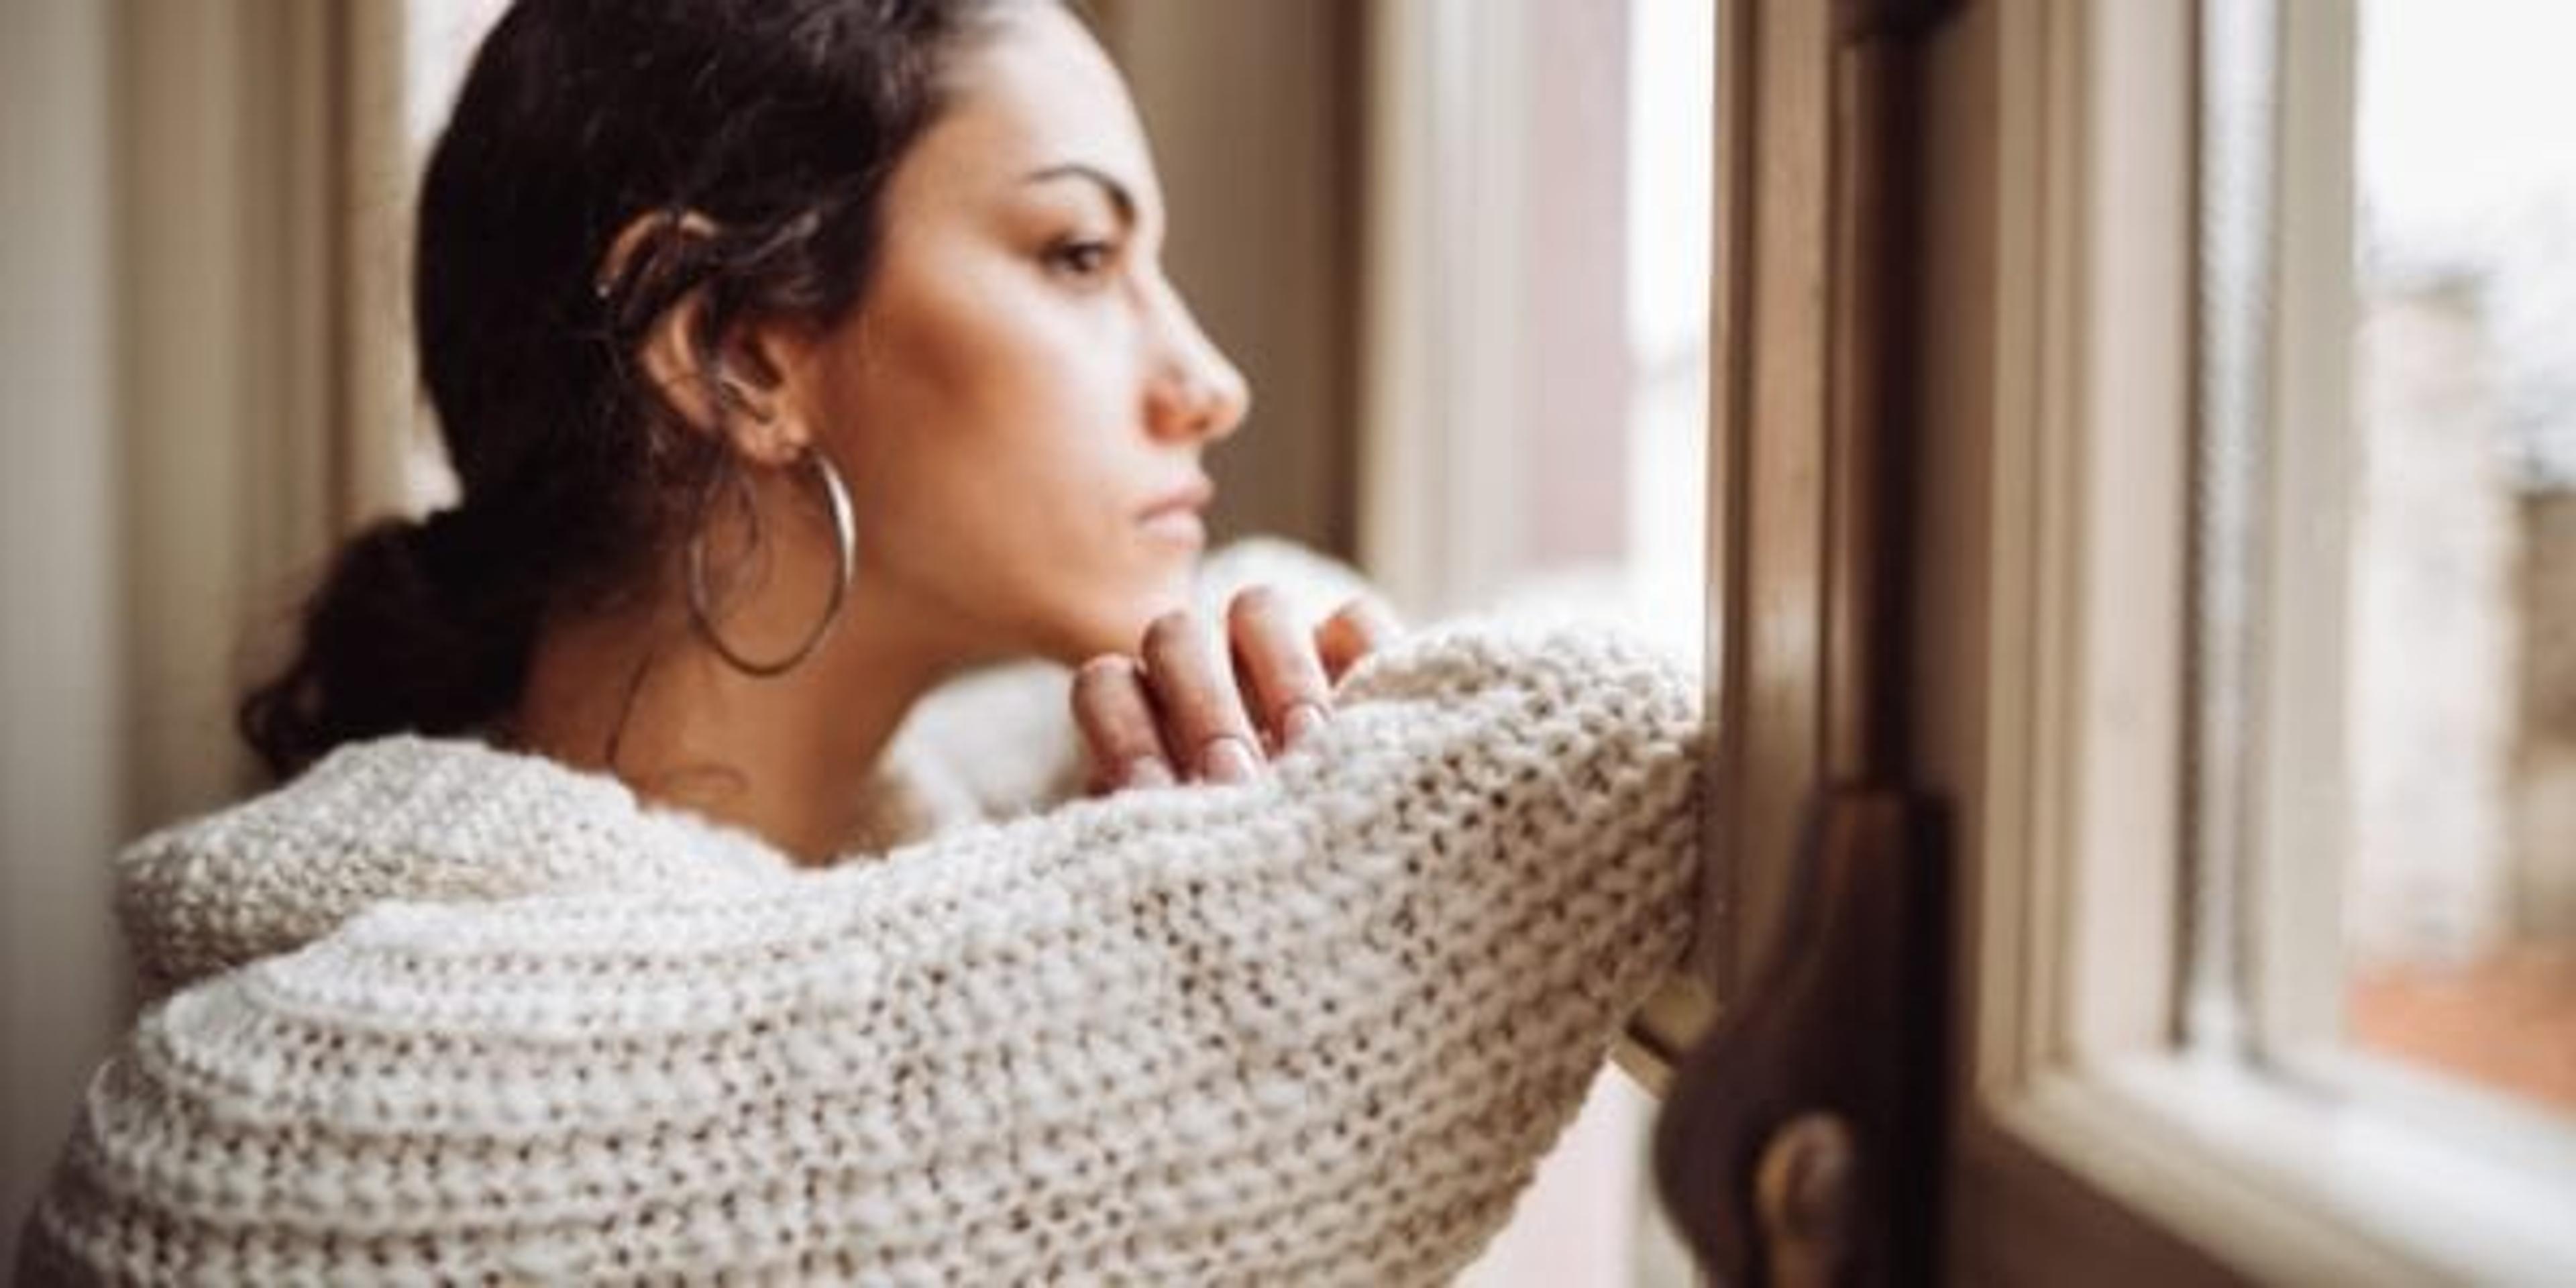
<point x="733" y="383"/>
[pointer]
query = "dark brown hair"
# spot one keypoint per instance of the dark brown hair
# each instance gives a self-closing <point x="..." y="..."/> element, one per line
<point x="779" y="122"/>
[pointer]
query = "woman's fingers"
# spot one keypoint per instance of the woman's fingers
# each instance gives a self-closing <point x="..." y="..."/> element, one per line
<point x="1206" y="709"/>
<point x="1281" y="679"/>
<point x="1357" y="629"/>
<point x="1116" y="716"/>
<point x="1202" y="711"/>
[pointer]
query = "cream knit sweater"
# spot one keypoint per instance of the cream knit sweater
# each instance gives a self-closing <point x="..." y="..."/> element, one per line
<point x="1316" y="1028"/>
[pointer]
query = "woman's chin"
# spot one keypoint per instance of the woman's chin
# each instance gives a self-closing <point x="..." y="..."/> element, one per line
<point x="1121" y="629"/>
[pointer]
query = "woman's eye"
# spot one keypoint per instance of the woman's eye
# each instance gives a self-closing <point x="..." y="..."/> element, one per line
<point x="1082" y="259"/>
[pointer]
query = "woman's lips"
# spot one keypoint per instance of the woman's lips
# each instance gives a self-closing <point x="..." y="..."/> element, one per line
<point x="1179" y="527"/>
<point x="1175" y="516"/>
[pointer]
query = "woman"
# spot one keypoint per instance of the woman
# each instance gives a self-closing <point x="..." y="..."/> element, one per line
<point x="795" y="356"/>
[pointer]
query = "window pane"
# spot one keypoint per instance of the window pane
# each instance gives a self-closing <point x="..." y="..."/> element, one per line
<point x="1611" y="365"/>
<point x="2460" y="896"/>
<point x="1608" y="360"/>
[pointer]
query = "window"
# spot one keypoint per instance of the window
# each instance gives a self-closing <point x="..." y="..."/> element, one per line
<point x="2248" y="504"/>
<point x="1536" y="426"/>
<point x="1538" y="308"/>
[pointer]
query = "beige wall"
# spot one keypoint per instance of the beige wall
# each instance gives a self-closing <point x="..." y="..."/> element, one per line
<point x="61" y="708"/>
<point x="1254" y="110"/>
<point x="185" y="344"/>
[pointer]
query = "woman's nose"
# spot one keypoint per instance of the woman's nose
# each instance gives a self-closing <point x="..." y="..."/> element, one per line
<point x="1198" y="394"/>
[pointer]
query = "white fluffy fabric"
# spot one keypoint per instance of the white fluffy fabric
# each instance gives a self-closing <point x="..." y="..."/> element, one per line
<point x="445" y="1013"/>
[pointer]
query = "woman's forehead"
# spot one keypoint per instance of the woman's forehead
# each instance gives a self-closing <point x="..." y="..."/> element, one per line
<point x="1037" y="94"/>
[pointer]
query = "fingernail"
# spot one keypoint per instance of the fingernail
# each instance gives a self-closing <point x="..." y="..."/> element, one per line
<point x="1304" y="720"/>
<point x="1227" y="760"/>
<point x="1148" y="771"/>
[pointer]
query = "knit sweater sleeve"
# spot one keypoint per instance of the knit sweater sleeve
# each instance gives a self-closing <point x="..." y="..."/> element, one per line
<point x="1314" y="1028"/>
<point x="419" y="823"/>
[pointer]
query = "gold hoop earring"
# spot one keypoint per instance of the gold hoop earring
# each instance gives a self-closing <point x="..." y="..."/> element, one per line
<point x="845" y="553"/>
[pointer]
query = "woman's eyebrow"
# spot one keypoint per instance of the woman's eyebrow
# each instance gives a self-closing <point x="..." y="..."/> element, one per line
<point x="1119" y="196"/>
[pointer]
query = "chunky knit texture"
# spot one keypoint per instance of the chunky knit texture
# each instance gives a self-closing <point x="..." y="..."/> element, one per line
<point x="1316" y="1028"/>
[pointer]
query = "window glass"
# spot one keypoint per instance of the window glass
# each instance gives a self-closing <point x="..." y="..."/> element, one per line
<point x="1613" y="352"/>
<point x="1614" y="230"/>
<point x="2460" y="891"/>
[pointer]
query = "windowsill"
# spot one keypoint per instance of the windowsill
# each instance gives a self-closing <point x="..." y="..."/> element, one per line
<point x="2292" y="1185"/>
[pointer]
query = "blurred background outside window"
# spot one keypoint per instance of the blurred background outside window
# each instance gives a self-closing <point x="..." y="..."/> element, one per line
<point x="2460" y="900"/>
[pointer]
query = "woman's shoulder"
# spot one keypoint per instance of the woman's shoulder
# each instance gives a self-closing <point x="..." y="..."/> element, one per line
<point x="398" y="818"/>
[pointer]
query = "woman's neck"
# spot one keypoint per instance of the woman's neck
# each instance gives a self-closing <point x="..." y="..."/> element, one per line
<point x="788" y="757"/>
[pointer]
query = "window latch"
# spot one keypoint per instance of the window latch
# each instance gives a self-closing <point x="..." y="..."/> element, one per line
<point x="1798" y="1147"/>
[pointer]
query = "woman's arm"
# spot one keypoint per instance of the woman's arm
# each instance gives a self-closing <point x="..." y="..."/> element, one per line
<point x="1320" y="1025"/>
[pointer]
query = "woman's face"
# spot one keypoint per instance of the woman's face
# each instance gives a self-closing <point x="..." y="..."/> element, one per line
<point x="1021" y="400"/>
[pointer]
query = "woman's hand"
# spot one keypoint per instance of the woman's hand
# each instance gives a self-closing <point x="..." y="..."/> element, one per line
<point x="1179" y="712"/>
